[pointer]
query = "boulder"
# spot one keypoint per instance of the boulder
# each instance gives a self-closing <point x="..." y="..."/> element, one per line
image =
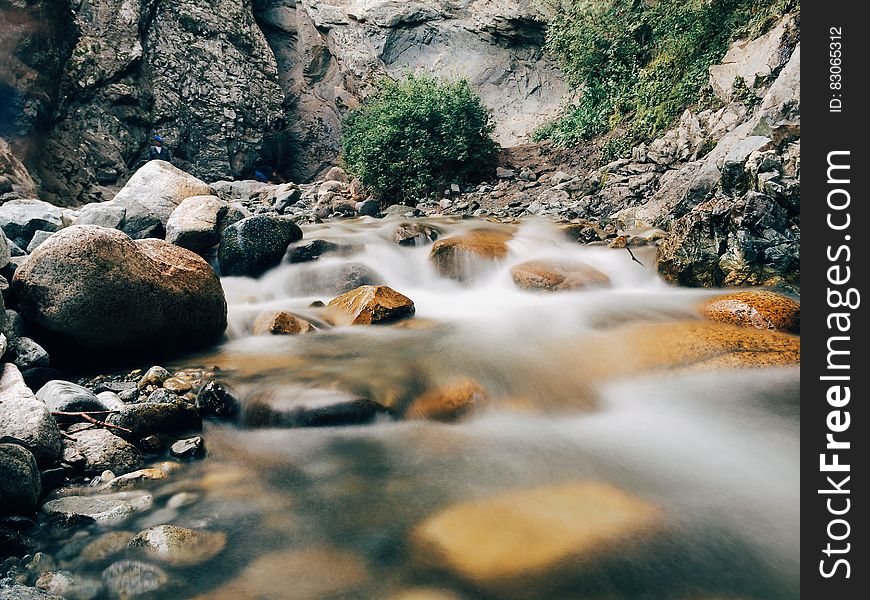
<point x="155" y="417"/>
<point x="557" y="275"/>
<point x="305" y="407"/>
<point x="27" y="354"/>
<point x="105" y="546"/>
<point x="755" y="308"/>
<point x="97" y="289"/>
<point x="36" y="241"/>
<point x="464" y="256"/>
<point x="151" y="195"/>
<point x="309" y="250"/>
<point x="253" y="245"/>
<point x="280" y="323"/>
<point x="179" y="546"/>
<point x="187" y="448"/>
<point x="17" y="591"/>
<point x="447" y="402"/>
<point x="20" y="484"/>
<point x="103" y="450"/>
<point x="500" y="541"/>
<point x="134" y="579"/>
<point x="24" y="418"/>
<point x="71" y="586"/>
<point x="76" y="511"/>
<point x="104" y="214"/>
<point x="64" y="396"/>
<point x="20" y="219"/>
<point x="198" y="222"/>
<point x="415" y="234"/>
<point x="215" y="399"/>
<point x="370" y="304"/>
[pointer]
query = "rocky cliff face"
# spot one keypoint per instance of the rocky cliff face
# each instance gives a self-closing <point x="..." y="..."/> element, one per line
<point x="230" y="83"/>
<point x="199" y="73"/>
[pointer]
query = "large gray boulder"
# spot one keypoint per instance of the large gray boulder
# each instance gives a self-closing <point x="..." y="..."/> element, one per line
<point x="198" y="222"/>
<point x="152" y="194"/>
<point x="26" y="419"/>
<point x="97" y="289"/>
<point x="19" y="480"/>
<point x="65" y="396"/>
<point x="256" y="244"/>
<point x="20" y="219"/>
<point x="103" y="450"/>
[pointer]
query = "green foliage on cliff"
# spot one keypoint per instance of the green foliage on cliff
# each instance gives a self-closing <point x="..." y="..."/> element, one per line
<point x="414" y="136"/>
<point x="642" y="62"/>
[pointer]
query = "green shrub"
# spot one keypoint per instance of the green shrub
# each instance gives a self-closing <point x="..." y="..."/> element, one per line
<point x="413" y="137"/>
<point x="640" y="62"/>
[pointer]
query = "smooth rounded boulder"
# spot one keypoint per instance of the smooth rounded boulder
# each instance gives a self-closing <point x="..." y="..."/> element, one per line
<point x="198" y="221"/>
<point x="464" y="256"/>
<point x="95" y="288"/>
<point x="760" y="309"/>
<point x="254" y="245"/>
<point x="152" y="194"/>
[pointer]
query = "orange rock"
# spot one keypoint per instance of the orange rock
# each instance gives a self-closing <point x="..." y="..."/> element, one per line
<point x="463" y="256"/>
<point x="280" y="323"/>
<point x="755" y="308"/>
<point x="542" y="532"/>
<point x="552" y="275"/>
<point x="370" y="304"/>
<point x="448" y="402"/>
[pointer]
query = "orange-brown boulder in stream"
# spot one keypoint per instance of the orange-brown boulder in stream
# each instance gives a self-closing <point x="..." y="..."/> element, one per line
<point x="280" y="323"/>
<point x="370" y="304"/>
<point x="447" y="402"/>
<point x="755" y="308"/>
<point x="464" y="256"/>
<point x="555" y="275"/>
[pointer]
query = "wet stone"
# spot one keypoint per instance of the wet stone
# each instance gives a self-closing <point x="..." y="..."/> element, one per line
<point x="73" y="511"/>
<point x="178" y="545"/>
<point x="65" y="396"/>
<point x="129" y="578"/>
<point x="300" y="407"/>
<point x="193" y="447"/>
<point x="216" y="400"/>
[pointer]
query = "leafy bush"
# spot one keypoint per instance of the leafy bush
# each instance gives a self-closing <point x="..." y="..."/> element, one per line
<point x="414" y="136"/>
<point x="641" y="63"/>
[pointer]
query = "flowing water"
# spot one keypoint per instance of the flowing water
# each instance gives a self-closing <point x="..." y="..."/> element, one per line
<point x="328" y="512"/>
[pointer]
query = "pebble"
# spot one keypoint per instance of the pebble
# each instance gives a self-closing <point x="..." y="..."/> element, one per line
<point x="178" y="545"/>
<point x="130" y="578"/>
<point x="193" y="447"/>
<point x="155" y="376"/>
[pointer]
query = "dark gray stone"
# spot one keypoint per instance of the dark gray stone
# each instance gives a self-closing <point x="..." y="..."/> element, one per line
<point x="216" y="400"/>
<point x="103" y="450"/>
<point x="20" y="483"/>
<point x="65" y="396"/>
<point x="253" y="245"/>
<point x="152" y="417"/>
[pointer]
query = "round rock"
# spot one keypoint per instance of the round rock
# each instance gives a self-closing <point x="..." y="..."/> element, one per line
<point x="19" y="480"/>
<point x="65" y="396"/>
<point x="99" y="290"/>
<point x="255" y="244"/>
<point x="104" y="450"/>
<point x="178" y="545"/>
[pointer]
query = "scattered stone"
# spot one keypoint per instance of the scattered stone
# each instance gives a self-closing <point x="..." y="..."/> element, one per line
<point x="129" y="578"/>
<point x="105" y="547"/>
<point x="369" y="305"/>
<point x="255" y="244"/>
<point x="179" y="546"/>
<point x="304" y="407"/>
<point x="70" y="585"/>
<point x="280" y="323"/>
<point x="336" y="174"/>
<point x="369" y="208"/>
<point x="755" y="308"/>
<point x="38" y="238"/>
<point x="27" y="354"/>
<point x="178" y="385"/>
<point x="134" y="479"/>
<point x="156" y="417"/>
<point x="155" y="376"/>
<point x="503" y="173"/>
<point x="20" y="482"/>
<point x="415" y="234"/>
<point x="75" y="511"/>
<point x="198" y="222"/>
<point x="16" y="591"/>
<point x="105" y="450"/>
<point x="151" y="195"/>
<point x="309" y="250"/>
<point x="540" y="532"/>
<point x="192" y="447"/>
<point x="163" y="396"/>
<point x="111" y="400"/>
<point x="557" y="275"/>
<point x="463" y="256"/>
<point x="97" y="289"/>
<point x="23" y="417"/>
<point x="216" y="400"/>
<point x="102" y="214"/>
<point x="64" y="396"/>
<point x="21" y="219"/>
<point x="448" y="402"/>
